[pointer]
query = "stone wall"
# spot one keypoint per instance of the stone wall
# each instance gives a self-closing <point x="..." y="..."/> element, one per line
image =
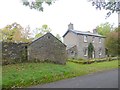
<point x="47" y="48"/>
<point x="13" y="52"/>
<point x="72" y="52"/>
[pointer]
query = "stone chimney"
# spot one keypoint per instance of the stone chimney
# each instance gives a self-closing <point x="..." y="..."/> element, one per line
<point x="70" y="26"/>
<point x="88" y="31"/>
<point x="95" y="31"/>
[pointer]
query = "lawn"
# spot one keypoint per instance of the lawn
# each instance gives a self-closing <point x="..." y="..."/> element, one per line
<point x="27" y="74"/>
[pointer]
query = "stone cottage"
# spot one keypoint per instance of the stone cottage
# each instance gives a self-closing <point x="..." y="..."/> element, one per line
<point x="77" y="43"/>
<point x="47" y="48"/>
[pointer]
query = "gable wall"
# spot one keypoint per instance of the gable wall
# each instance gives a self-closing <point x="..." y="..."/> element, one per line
<point x="70" y="40"/>
<point x="47" y="48"/>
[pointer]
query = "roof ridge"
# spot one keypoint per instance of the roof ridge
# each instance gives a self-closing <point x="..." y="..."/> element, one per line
<point x="83" y="32"/>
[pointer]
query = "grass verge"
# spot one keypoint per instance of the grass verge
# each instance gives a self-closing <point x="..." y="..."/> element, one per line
<point x="27" y="74"/>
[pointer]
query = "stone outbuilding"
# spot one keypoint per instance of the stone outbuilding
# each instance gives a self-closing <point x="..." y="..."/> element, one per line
<point x="47" y="48"/>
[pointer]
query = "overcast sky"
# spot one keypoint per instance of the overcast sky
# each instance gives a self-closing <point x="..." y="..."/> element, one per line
<point x="57" y="16"/>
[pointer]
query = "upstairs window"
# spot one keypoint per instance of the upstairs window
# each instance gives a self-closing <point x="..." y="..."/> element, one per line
<point x="85" y="38"/>
<point x="99" y="40"/>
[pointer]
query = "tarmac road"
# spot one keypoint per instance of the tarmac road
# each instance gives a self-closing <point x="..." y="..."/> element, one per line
<point x="105" y="79"/>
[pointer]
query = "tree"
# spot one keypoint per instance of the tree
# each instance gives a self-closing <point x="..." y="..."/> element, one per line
<point x="58" y="36"/>
<point x="104" y="28"/>
<point x="26" y="34"/>
<point x="41" y="31"/>
<point x="90" y="50"/>
<point x="112" y="42"/>
<point x="37" y="4"/>
<point x="111" y="5"/>
<point x="13" y="33"/>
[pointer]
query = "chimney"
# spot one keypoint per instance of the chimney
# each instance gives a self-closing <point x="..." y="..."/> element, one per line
<point x="95" y="31"/>
<point x="88" y="31"/>
<point x="70" y="26"/>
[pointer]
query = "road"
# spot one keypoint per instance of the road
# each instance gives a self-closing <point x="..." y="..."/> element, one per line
<point x="106" y="79"/>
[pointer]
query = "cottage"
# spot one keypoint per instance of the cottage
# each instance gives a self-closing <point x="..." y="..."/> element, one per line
<point x="77" y="43"/>
<point x="47" y="48"/>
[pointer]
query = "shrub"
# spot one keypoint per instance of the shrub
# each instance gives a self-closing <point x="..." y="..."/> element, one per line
<point x="84" y="61"/>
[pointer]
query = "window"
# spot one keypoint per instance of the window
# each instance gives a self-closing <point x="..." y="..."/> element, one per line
<point x="93" y="39"/>
<point x="48" y="37"/>
<point x="93" y="54"/>
<point x="72" y="52"/>
<point x="99" y="40"/>
<point x="85" y="38"/>
<point x="85" y="52"/>
<point x="100" y="51"/>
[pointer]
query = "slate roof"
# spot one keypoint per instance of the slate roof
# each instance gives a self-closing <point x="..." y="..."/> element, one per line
<point x="83" y="33"/>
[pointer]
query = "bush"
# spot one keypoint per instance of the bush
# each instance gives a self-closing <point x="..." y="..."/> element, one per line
<point x="84" y="61"/>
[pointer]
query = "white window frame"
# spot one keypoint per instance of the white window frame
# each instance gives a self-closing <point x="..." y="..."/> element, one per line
<point x="85" y="38"/>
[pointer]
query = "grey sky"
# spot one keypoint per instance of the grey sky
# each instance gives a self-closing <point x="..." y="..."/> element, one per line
<point x="57" y="16"/>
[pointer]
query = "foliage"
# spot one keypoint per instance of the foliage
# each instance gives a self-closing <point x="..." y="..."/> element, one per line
<point x="112" y="43"/>
<point x="11" y="32"/>
<point x="111" y="5"/>
<point x="112" y="40"/>
<point x="27" y="74"/>
<point x="104" y="28"/>
<point x="83" y="61"/>
<point x="41" y="31"/>
<point x="58" y="37"/>
<point x="90" y="50"/>
<point x="26" y="34"/>
<point x="37" y="4"/>
<point x="14" y="33"/>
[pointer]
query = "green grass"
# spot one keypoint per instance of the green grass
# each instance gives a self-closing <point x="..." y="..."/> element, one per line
<point x="27" y="74"/>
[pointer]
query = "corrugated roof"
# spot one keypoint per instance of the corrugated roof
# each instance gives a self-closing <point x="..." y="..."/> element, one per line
<point x="82" y="33"/>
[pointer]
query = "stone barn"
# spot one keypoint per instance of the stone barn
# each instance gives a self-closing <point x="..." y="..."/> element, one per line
<point x="47" y="48"/>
